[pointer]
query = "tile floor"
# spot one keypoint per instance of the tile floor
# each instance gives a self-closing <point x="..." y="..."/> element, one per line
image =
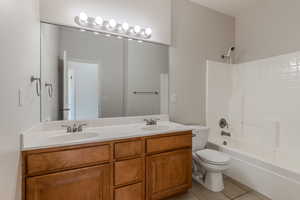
<point x="233" y="191"/>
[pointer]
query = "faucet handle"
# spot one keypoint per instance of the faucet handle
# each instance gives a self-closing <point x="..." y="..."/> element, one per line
<point x="69" y="128"/>
<point x="75" y="128"/>
<point x="80" y="127"/>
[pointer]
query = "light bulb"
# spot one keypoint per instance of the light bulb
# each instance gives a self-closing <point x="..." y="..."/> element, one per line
<point x="125" y="26"/>
<point x="131" y="31"/>
<point x="83" y="17"/>
<point x="137" y="29"/>
<point x="99" y="21"/>
<point x="96" y="33"/>
<point x="112" y="23"/>
<point x="120" y="37"/>
<point x="140" y="41"/>
<point x="148" y="32"/>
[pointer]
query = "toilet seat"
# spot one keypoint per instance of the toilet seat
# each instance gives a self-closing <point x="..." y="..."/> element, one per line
<point x="213" y="157"/>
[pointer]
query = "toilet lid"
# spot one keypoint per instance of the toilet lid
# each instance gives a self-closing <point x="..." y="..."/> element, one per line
<point x="213" y="157"/>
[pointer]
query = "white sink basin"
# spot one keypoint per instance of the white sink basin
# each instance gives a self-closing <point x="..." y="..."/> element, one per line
<point x="155" y="128"/>
<point x="74" y="136"/>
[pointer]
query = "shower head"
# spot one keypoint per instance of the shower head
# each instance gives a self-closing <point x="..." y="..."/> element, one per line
<point x="230" y="50"/>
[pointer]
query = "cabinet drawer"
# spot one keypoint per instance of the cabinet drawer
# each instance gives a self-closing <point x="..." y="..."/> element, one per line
<point x="129" y="171"/>
<point x="131" y="192"/>
<point x="169" y="143"/>
<point x="129" y="149"/>
<point x="66" y="159"/>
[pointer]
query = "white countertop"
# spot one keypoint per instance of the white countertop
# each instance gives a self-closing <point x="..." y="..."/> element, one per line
<point x="39" y="138"/>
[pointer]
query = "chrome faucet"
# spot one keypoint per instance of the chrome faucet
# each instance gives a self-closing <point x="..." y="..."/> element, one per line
<point x="75" y="128"/>
<point x="151" y="121"/>
<point x="80" y="127"/>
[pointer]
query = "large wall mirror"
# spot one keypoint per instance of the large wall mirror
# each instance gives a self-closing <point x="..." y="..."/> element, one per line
<point x="87" y="75"/>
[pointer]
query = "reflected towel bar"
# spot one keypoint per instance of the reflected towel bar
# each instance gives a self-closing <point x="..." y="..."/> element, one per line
<point x="154" y="92"/>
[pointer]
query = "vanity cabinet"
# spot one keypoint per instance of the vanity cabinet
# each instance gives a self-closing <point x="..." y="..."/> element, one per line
<point x="168" y="173"/>
<point x="144" y="168"/>
<point x="91" y="183"/>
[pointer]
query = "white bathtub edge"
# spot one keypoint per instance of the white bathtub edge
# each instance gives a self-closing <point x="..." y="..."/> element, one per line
<point x="263" y="180"/>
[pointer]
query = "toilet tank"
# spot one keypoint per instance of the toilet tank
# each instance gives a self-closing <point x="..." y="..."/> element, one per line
<point x="200" y="137"/>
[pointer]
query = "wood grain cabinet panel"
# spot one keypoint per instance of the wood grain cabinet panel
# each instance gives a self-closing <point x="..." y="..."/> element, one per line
<point x="91" y="183"/>
<point x="129" y="171"/>
<point x="169" y="173"/>
<point x="66" y="159"/>
<point x="129" y="149"/>
<point x="131" y="192"/>
<point x="167" y="143"/>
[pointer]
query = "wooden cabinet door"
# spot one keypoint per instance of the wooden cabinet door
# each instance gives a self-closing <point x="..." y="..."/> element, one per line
<point x="168" y="173"/>
<point x="92" y="183"/>
<point x="131" y="192"/>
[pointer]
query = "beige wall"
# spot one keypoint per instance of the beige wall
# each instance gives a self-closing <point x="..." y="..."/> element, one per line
<point x="270" y="29"/>
<point x="19" y="55"/>
<point x="198" y="34"/>
<point x="108" y="53"/>
<point x="155" y="13"/>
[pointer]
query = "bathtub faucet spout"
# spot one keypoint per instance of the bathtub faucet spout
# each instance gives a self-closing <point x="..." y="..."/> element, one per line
<point x="227" y="134"/>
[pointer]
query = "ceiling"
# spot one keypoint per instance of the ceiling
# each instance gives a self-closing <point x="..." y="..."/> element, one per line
<point x="229" y="7"/>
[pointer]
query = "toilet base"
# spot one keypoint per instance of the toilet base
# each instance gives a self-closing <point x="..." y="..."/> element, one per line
<point x="212" y="181"/>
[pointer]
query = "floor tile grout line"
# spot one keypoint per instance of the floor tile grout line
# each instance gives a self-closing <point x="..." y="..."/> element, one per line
<point x="246" y="192"/>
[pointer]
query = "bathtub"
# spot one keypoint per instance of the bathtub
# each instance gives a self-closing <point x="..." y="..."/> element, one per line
<point x="272" y="172"/>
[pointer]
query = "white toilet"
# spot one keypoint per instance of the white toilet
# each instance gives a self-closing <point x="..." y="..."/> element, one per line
<point x="208" y="164"/>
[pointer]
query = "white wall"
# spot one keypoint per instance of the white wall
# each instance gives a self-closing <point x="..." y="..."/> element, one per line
<point x="155" y="13"/>
<point x="270" y="29"/>
<point x="50" y="55"/>
<point x="19" y="55"/>
<point x="199" y="34"/>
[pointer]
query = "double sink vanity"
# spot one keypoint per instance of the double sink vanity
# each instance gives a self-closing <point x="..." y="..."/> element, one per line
<point x="83" y="149"/>
<point x="120" y="159"/>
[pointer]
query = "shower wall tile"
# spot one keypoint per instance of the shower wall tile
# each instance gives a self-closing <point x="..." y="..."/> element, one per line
<point x="261" y="99"/>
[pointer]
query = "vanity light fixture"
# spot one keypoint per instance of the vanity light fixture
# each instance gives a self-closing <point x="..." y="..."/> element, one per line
<point x="125" y="26"/>
<point x="99" y="21"/>
<point x="83" y="18"/>
<point x="137" y="29"/>
<point x="112" y="27"/>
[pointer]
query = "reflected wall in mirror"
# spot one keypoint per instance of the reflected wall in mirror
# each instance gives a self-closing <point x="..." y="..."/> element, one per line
<point x="88" y="75"/>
